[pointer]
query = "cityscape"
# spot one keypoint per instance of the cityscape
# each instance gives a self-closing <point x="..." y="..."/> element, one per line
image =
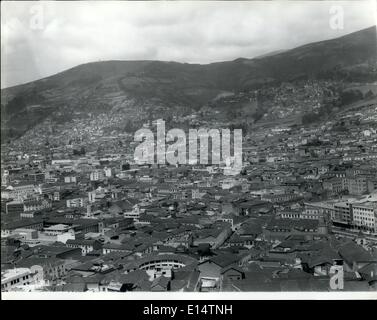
<point x="80" y="214"/>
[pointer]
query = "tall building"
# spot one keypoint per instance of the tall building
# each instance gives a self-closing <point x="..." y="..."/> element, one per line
<point x="342" y="213"/>
<point x="357" y="185"/>
<point x="365" y="216"/>
<point x="97" y="175"/>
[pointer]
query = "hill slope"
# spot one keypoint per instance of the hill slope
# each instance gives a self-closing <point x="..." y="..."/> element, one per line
<point x="107" y="84"/>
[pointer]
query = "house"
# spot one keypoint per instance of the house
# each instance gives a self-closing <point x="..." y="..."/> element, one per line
<point x="210" y="270"/>
<point x="8" y="228"/>
<point x="215" y="236"/>
<point x="234" y="221"/>
<point x="355" y="257"/>
<point x="279" y="229"/>
<point x="281" y="198"/>
<point x="369" y="273"/>
<point x="250" y="207"/>
<point x="47" y="269"/>
<point x="14" y="207"/>
<point x="121" y="282"/>
<point x="16" y="278"/>
<point x="250" y="231"/>
<point x="185" y="279"/>
<point x="56" y="251"/>
<point x="232" y="272"/>
<point x="36" y="205"/>
<point x="112" y="247"/>
<point x="95" y="266"/>
<point x="127" y="207"/>
<point x="80" y="226"/>
<point x="76" y="200"/>
<point x="179" y="238"/>
<point x="160" y="284"/>
<point x="321" y="264"/>
<point x="86" y="246"/>
<point x="19" y="191"/>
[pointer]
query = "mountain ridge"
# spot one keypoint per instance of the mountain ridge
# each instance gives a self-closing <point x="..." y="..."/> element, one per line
<point x="369" y="30"/>
<point x="106" y="83"/>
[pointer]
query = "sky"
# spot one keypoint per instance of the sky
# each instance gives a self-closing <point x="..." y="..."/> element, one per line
<point x="40" y="38"/>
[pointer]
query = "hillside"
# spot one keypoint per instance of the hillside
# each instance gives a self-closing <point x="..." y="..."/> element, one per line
<point x="105" y="85"/>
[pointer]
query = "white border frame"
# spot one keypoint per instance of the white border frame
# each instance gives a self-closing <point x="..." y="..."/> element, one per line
<point x="365" y="295"/>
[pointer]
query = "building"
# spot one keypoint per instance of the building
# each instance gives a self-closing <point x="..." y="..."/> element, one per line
<point x="334" y="184"/>
<point x="280" y="229"/>
<point x="97" y="175"/>
<point x="341" y="214"/>
<point x="14" y="207"/>
<point x="133" y="214"/>
<point x="19" y="191"/>
<point x="36" y="177"/>
<point x="70" y="179"/>
<point x="7" y="229"/>
<point x="290" y="215"/>
<point x="215" y="237"/>
<point x="281" y="198"/>
<point x="365" y="216"/>
<point x="314" y="211"/>
<point x="46" y="269"/>
<point x="85" y="245"/>
<point x="357" y="185"/>
<point x="211" y="271"/>
<point x="36" y="205"/>
<point x="57" y="229"/>
<point x="160" y="264"/>
<point x="76" y="201"/>
<point x="16" y="278"/>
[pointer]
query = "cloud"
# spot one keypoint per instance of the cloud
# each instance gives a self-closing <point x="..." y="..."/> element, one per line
<point x="43" y="38"/>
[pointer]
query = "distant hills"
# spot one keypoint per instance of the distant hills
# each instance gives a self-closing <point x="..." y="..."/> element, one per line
<point x="351" y="57"/>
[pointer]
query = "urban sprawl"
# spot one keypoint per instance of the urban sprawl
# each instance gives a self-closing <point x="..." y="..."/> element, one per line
<point x="78" y="214"/>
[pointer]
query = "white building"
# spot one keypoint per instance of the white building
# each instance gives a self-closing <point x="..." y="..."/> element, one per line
<point x="70" y="179"/>
<point x="16" y="278"/>
<point x="18" y="192"/>
<point x="76" y="202"/>
<point x="97" y="175"/>
<point x="134" y="214"/>
<point x="365" y="215"/>
<point x="107" y="172"/>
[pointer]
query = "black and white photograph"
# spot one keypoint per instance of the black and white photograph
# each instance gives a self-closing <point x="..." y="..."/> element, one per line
<point x="170" y="149"/>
